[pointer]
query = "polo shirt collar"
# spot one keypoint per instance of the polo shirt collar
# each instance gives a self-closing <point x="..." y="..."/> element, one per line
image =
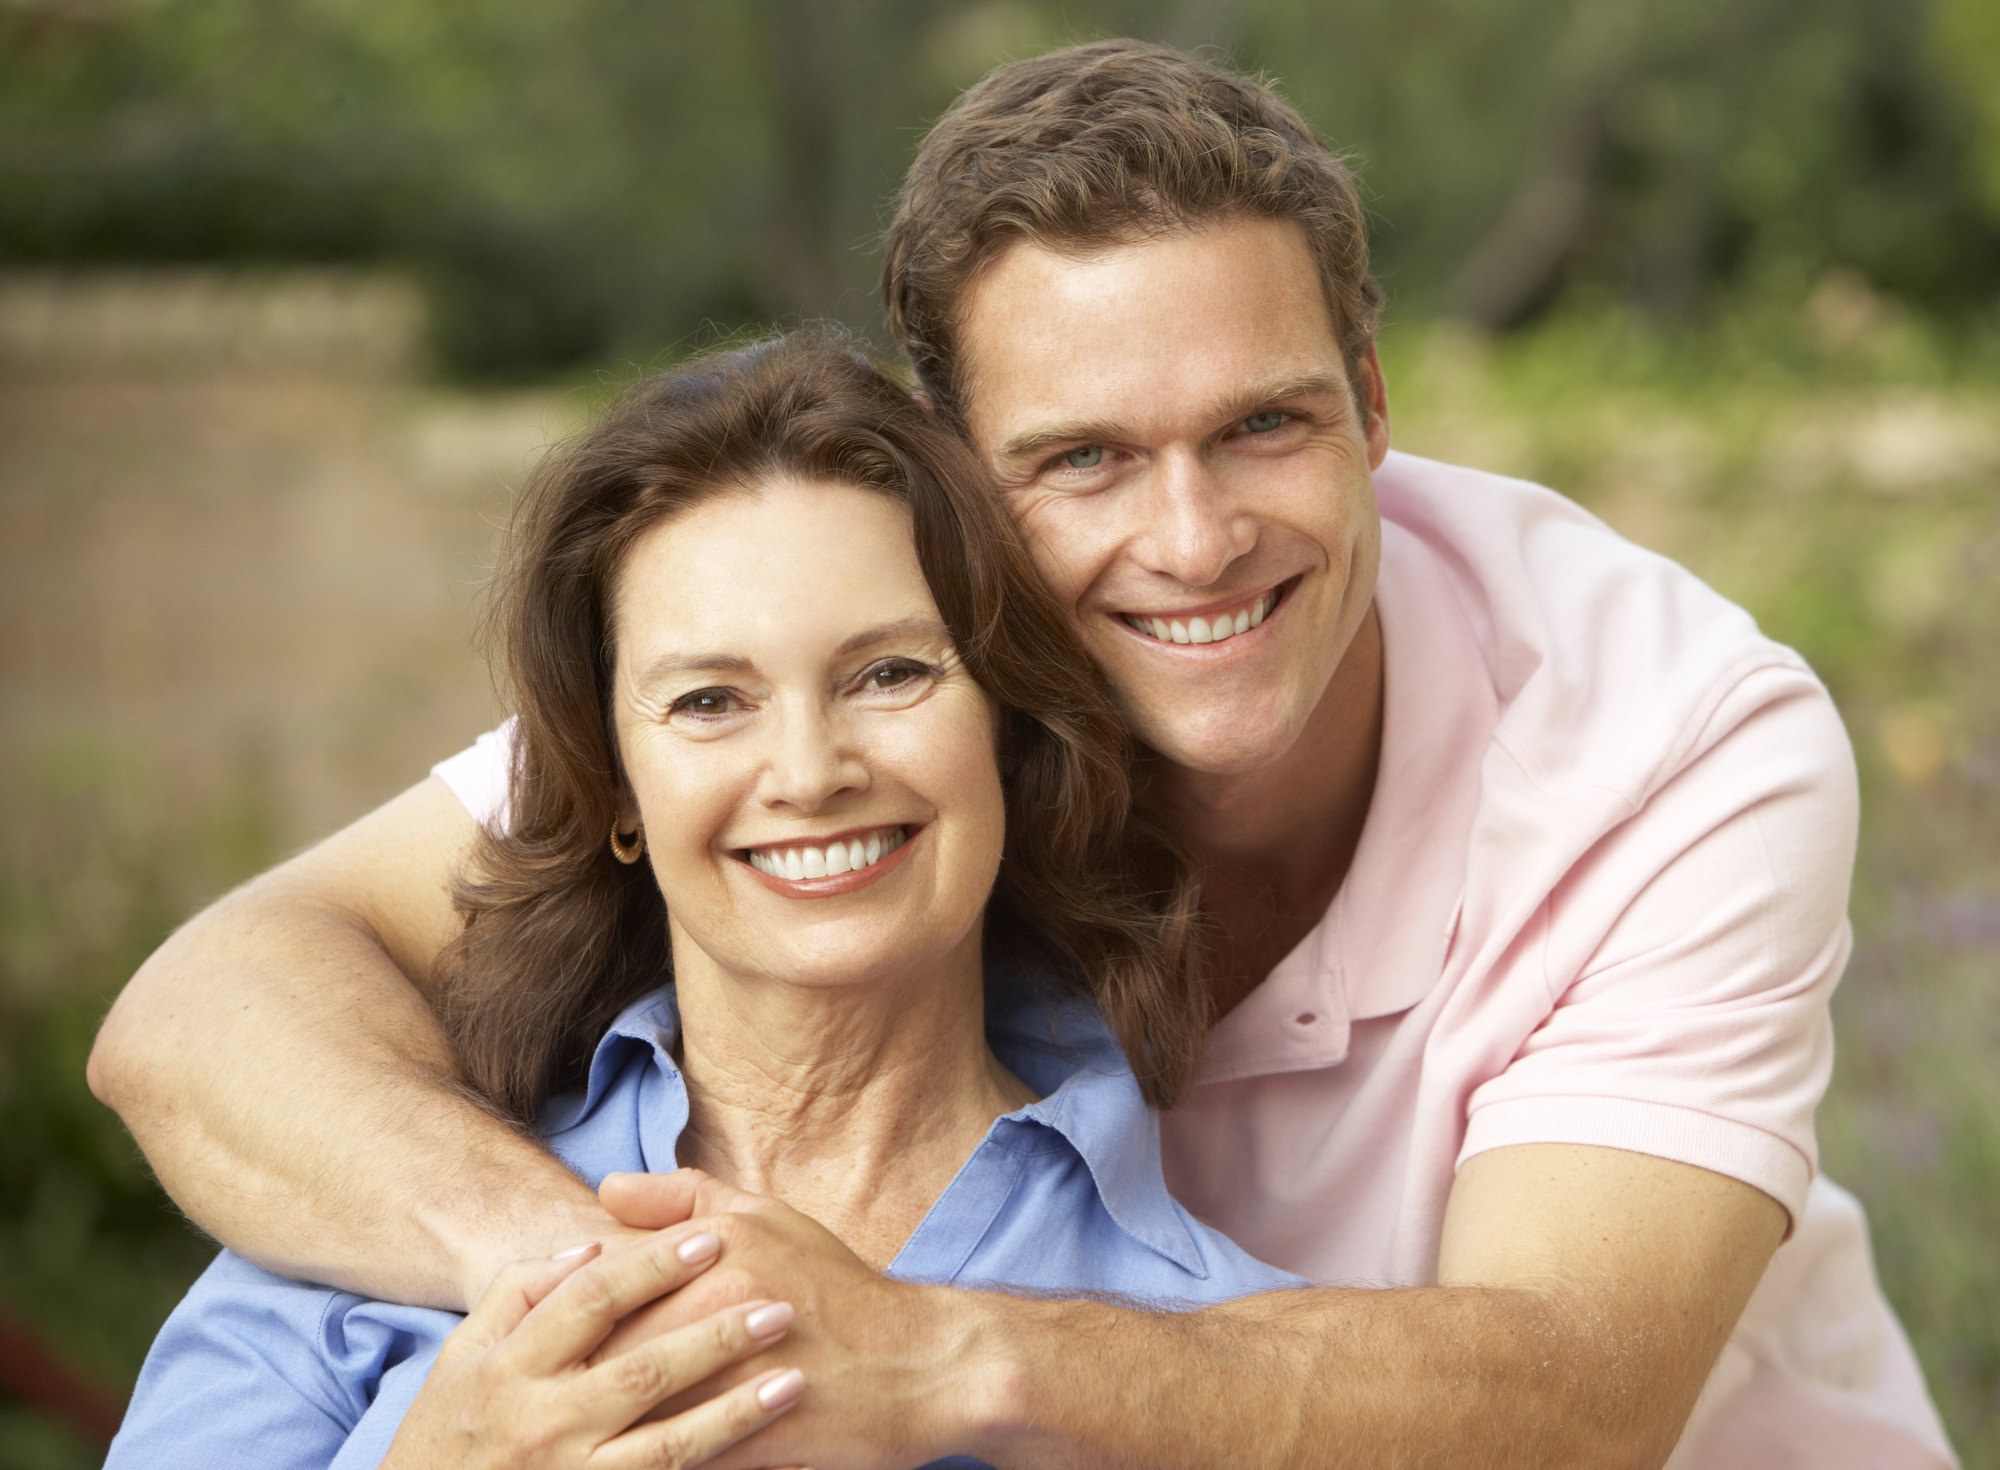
<point x="1381" y="945"/>
<point x="1089" y="1100"/>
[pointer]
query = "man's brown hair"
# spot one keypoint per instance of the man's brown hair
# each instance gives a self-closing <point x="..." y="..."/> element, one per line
<point x="1103" y="145"/>
<point x="560" y="936"/>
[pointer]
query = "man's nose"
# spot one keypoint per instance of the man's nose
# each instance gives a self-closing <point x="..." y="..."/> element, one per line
<point x="811" y="760"/>
<point x="1193" y="530"/>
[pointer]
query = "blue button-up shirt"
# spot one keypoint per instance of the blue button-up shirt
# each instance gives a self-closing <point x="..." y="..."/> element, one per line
<point x="1064" y="1195"/>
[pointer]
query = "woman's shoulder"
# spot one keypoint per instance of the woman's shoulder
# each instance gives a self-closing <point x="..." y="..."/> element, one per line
<point x="250" y="1360"/>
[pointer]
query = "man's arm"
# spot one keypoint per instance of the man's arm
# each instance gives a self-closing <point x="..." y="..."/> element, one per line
<point x="1584" y="1295"/>
<point x="292" y="1088"/>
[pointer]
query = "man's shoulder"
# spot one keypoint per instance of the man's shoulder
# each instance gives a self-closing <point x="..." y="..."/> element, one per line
<point x="1611" y="666"/>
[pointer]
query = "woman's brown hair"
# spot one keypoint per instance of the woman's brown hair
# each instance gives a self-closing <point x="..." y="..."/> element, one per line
<point x="559" y="936"/>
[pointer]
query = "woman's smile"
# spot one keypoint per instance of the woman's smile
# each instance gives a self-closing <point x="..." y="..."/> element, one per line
<point x="843" y="863"/>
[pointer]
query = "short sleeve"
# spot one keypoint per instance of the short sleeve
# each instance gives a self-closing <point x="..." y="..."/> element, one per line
<point x="255" y="1372"/>
<point x="1691" y="953"/>
<point x="234" y="1382"/>
<point x="478" y="776"/>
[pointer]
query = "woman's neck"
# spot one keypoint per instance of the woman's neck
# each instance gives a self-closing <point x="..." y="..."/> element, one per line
<point x="854" y="1104"/>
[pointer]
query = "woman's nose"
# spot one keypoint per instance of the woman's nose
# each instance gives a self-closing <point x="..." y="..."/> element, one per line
<point x="810" y="761"/>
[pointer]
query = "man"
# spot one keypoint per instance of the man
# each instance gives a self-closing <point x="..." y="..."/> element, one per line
<point x="1526" y="863"/>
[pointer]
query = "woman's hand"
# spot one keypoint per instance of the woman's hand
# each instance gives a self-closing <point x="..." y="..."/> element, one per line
<point x="520" y="1383"/>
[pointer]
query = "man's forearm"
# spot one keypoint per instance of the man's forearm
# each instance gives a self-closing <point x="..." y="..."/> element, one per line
<point x="297" y="1098"/>
<point x="1464" y="1377"/>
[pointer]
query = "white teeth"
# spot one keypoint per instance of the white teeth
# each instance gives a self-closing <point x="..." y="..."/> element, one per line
<point x="800" y="863"/>
<point x="1205" y="630"/>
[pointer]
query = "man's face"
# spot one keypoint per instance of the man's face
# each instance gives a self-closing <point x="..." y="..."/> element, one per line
<point x="1171" y="424"/>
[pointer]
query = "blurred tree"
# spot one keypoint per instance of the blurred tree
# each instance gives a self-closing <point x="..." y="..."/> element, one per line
<point x="610" y="177"/>
<point x="1966" y="42"/>
<point x="1645" y="151"/>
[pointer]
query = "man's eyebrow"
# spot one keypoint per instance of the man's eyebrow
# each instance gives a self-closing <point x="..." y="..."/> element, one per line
<point x="1236" y="406"/>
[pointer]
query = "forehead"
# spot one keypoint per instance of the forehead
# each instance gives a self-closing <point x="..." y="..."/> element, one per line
<point x="782" y="555"/>
<point x="1146" y="328"/>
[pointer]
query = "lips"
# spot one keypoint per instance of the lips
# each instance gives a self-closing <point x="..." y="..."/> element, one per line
<point x="1213" y="627"/>
<point x="797" y="862"/>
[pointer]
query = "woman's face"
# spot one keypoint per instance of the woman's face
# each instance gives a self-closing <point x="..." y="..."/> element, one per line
<point x="813" y="765"/>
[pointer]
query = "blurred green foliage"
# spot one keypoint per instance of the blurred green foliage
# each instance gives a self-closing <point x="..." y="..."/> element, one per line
<point x="607" y="177"/>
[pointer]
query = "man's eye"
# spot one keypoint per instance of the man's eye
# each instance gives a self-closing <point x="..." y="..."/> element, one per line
<point x="1087" y="458"/>
<point x="1263" y="423"/>
<point x="704" y="702"/>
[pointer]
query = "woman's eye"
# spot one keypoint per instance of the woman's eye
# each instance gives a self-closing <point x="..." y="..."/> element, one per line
<point x="704" y="702"/>
<point x="1087" y="458"/>
<point x="1263" y="423"/>
<point x="895" y="674"/>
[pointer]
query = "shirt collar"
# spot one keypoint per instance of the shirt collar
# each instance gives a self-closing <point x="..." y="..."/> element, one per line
<point x="1061" y="1049"/>
<point x="1381" y="945"/>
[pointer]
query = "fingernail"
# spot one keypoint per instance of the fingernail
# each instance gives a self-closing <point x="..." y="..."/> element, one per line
<point x="782" y="1390"/>
<point x="574" y="1251"/>
<point x="769" y="1321"/>
<point x="698" y="1248"/>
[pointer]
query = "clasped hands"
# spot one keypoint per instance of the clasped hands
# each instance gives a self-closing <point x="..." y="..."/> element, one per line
<point x="708" y="1315"/>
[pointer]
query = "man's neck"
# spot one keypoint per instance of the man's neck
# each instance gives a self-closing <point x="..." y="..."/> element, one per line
<point x="1274" y="844"/>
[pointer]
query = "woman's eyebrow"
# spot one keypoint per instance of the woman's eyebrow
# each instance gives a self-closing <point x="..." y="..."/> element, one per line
<point x="668" y="665"/>
<point x="901" y="628"/>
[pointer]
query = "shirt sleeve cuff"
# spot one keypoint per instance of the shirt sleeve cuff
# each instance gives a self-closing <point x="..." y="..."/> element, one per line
<point x="478" y="776"/>
<point x="1721" y="1145"/>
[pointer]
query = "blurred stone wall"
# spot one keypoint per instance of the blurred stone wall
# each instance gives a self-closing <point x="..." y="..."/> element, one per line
<point x="241" y="553"/>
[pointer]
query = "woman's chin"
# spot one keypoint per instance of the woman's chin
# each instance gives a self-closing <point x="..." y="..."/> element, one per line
<point x="878" y="954"/>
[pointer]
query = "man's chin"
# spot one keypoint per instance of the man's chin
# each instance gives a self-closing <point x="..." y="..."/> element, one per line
<point x="1224" y="748"/>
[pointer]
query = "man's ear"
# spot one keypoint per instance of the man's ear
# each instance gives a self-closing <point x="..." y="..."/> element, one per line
<point x="1376" y="387"/>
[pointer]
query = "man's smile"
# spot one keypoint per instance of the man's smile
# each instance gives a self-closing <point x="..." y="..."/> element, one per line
<point x="1213" y="622"/>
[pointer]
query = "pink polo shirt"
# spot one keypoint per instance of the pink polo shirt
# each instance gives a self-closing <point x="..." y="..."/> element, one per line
<point x="1600" y="898"/>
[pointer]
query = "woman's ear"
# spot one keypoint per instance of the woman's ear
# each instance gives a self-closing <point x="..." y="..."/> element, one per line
<point x="628" y="810"/>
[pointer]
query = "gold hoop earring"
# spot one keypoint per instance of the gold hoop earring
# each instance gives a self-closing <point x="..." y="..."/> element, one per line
<point x="624" y="854"/>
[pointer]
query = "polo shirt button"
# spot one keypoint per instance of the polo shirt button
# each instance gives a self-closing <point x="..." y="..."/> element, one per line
<point x="1306" y="1018"/>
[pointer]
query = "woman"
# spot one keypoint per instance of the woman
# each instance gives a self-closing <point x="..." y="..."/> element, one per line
<point x="773" y="648"/>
